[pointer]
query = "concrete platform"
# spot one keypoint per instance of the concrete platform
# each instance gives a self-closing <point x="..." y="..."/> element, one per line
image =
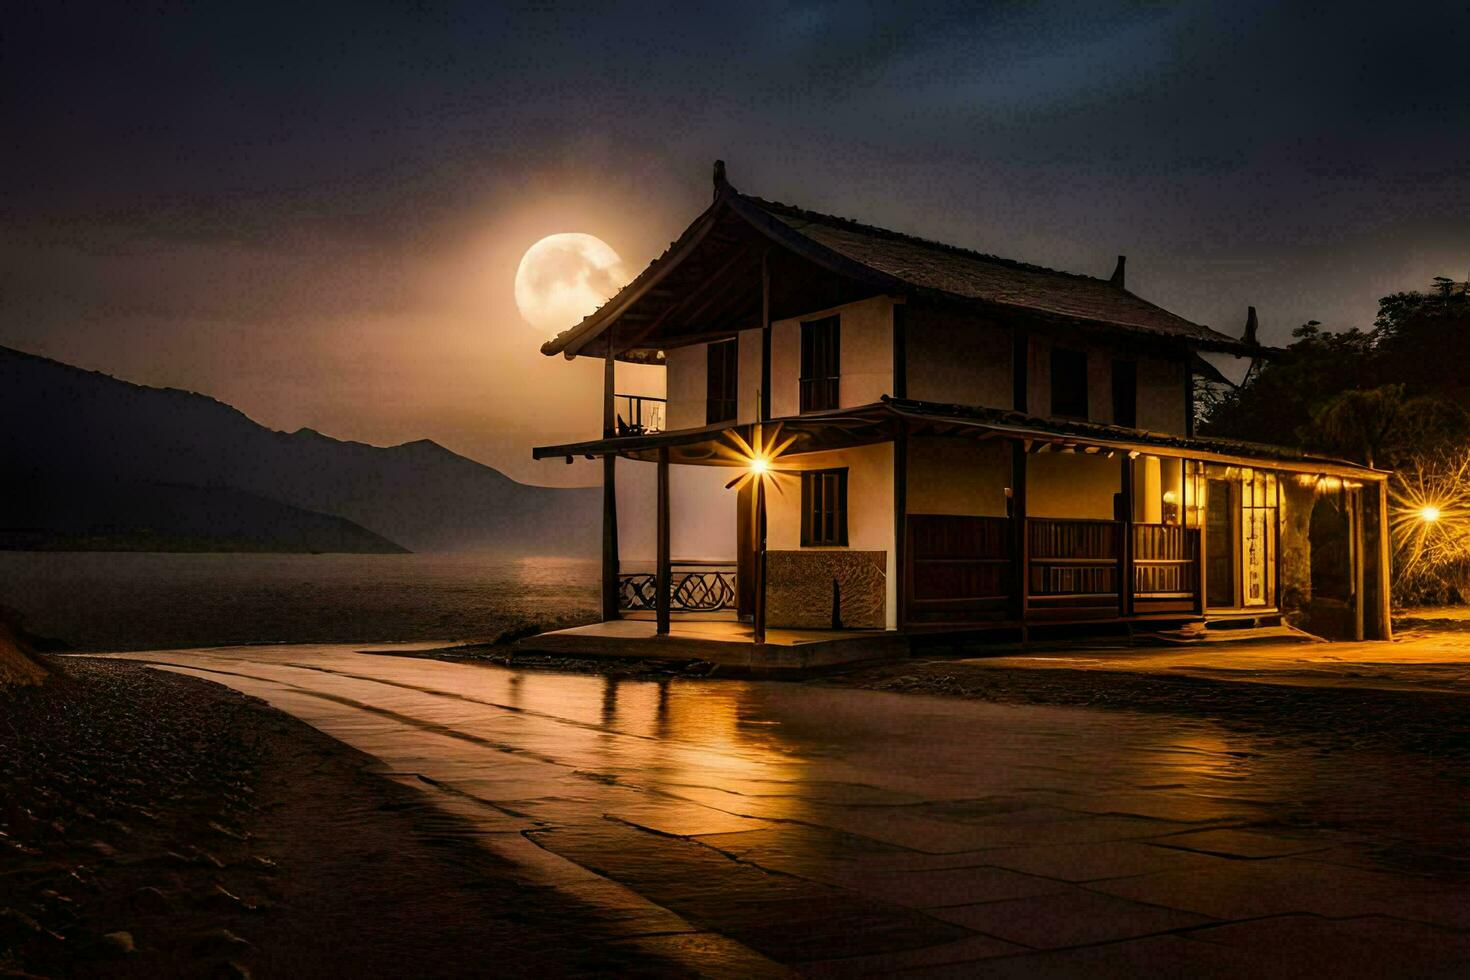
<point x="724" y="642"/>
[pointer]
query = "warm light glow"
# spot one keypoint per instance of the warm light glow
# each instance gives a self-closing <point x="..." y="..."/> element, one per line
<point x="758" y="456"/>
<point x="1429" y="512"/>
<point x="564" y="277"/>
<point x="1170" y="496"/>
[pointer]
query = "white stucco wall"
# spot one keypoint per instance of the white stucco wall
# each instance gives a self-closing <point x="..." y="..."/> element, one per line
<point x="957" y="357"/>
<point x="869" y="507"/>
<point x="958" y="476"/>
<point x="701" y="513"/>
<point x="686" y="381"/>
<point x="749" y="381"/>
<point x="866" y="351"/>
<point x="1071" y="485"/>
<point x="1160" y="383"/>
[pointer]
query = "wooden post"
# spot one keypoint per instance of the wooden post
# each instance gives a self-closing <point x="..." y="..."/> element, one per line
<point x="1192" y="496"/>
<point x="900" y="350"/>
<point x="759" y="619"/>
<point x="1358" y="563"/>
<point x="1385" y="565"/>
<point x="1020" y="562"/>
<point x="1188" y="396"/>
<point x="765" y="392"/>
<point x="900" y="520"/>
<point x="1020" y="369"/>
<point x="609" y="492"/>
<point x="663" y="580"/>
<point x="1125" y="530"/>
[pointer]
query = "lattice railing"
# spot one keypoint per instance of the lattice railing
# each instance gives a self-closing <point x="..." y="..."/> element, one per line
<point x="707" y="588"/>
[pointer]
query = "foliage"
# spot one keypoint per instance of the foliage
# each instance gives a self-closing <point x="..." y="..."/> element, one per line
<point x="1386" y="396"/>
<point x="1396" y="396"/>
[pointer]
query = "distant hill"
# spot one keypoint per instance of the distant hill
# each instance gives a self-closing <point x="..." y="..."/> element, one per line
<point x="87" y="457"/>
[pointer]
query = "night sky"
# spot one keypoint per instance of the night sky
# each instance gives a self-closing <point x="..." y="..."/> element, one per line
<point x="315" y="211"/>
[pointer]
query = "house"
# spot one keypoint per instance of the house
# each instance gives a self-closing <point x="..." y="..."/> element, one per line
<point x="949" y="440"/>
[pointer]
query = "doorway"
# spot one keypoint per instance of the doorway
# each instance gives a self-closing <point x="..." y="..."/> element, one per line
<point x="1220" y="545"/>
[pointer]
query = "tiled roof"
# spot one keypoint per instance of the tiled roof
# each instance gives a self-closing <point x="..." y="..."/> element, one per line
<point x="974" y="275"/>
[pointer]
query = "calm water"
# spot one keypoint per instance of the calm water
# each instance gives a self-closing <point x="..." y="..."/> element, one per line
<point x="98" y="601"/>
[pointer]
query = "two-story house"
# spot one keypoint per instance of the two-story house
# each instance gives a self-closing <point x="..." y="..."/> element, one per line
<point x="949" y="440"/>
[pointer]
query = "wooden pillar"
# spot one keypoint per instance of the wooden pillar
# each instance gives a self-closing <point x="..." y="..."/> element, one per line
<point x="1385" y="565"/>
<point x="1125" y="536"/>
<point x="759" y="618"/>
<point x="765" y="406"/>
<point x="900" y="521"/>
<point x="609" y="492"/>
<point x="1188" y="396"/>
<point x="1020" y="369"/>
<point x="663" y="579"/>
<point x="1192" y="496"/>
<point x="1020" y="562"/>
<point x="900" y="350"/>
<point x="1358" y="563"/>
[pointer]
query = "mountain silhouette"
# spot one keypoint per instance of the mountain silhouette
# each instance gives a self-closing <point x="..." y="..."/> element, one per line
<point x="85" y="456"/>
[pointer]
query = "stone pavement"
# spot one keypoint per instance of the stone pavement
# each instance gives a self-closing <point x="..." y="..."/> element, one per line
<point x="750" y="828"/>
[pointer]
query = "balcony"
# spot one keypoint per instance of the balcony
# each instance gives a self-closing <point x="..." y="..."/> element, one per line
<point x="639" y="415"/>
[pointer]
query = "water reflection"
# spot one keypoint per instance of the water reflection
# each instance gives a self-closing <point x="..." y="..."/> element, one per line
<point x="895" y="771"/>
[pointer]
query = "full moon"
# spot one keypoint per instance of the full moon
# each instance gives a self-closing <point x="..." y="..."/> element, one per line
<point x="564" y="277"/>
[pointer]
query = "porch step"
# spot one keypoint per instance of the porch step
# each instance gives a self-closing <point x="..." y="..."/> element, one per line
<point x="1238" y="631"/>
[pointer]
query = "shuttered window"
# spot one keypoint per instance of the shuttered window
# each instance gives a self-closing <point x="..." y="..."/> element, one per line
<point x="1068" y="383"/>
<point x="1125" y="393"/>
<point x="720" y="402"/>
<point x="824" y="508"/>
<point x="821" y="359"/>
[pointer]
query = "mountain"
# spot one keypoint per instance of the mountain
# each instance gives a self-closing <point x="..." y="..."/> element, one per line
<point x="92" y="451"/>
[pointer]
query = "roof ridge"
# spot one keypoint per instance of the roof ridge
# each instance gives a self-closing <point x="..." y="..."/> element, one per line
<point x="889" y="233"/>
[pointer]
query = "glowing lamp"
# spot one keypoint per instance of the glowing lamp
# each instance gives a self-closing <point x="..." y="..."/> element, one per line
<point x="759" y="465"/>
<point x="1170" y="496"/>
<point x="1429" y="513"/>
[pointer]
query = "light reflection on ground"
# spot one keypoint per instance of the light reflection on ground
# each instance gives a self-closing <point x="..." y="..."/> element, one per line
<point x="931" y="822"/>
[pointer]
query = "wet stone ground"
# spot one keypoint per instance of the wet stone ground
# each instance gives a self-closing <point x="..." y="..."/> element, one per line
<point x="757" y="827"/>
<point x="152" y="825"/>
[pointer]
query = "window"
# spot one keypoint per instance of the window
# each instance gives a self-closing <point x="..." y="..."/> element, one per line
<point x="1125" y="393"/>
<point x="823" y="507"/>
<point x="1069" y="383"/>
<point x="821" y="357"/>
<point x="721" y="395"/>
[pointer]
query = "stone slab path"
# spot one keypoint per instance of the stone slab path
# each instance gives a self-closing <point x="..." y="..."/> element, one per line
<point x="757" y="828"/>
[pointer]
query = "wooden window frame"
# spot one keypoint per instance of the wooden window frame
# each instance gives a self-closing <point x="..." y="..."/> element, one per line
<point x="820" y="392"/>
<point x="722" y="364"/>
<point x="814" y="521"/>
<point x="1075" y="391"/>
<point x="1125" y="390"/>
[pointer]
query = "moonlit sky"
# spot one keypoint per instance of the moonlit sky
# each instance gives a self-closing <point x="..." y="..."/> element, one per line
<point x="315" y="211"/>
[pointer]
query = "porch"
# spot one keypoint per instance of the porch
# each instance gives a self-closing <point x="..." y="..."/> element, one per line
<point x="722" y="640"/>
<point x="955" y="519"/>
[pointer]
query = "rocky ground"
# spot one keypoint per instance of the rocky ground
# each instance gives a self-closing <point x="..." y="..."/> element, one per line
<point x="157" y="825"/>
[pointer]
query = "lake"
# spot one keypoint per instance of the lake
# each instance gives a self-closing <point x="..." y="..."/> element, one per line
<point x="142" y="601"/>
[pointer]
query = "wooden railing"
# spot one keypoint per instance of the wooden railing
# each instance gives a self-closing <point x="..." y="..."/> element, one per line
<point x="1072" y="567"/>
<point x="818" y="394"/>
<point x="639" y="415"/>
<point x="1165" y="567"/>
<point x="695" y="587"/>
<point x="959" y="569"/>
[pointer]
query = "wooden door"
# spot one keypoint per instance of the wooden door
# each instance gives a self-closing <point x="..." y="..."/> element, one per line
<point x="1220" y="545"/>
